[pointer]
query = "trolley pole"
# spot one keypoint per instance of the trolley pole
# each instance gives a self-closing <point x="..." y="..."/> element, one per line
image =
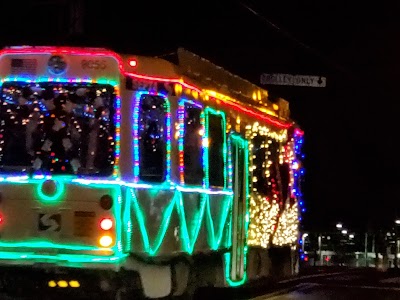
<point x="366" y="249"/>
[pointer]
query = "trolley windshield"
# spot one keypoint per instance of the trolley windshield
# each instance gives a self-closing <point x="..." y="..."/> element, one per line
<point x="57" y="128"/>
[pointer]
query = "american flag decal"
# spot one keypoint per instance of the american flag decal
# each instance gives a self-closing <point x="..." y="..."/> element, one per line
<point x="23" y="66"/>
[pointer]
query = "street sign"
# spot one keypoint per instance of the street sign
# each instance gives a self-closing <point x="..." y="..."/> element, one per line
<point x="293" y="80"/>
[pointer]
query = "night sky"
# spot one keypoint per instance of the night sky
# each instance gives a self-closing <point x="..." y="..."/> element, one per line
<point x="350" y="126"/>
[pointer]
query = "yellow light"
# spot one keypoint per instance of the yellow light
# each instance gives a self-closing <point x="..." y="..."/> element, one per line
<point x="269" y="224"/>
<point x="205" y="143"/>
<point x="62" y="284"/>
<point x="275" y="106"/>
<point x="176" y="135"/>
<point x="201" y="132"/>
<point x="105" y="241"/>
<point x="74" y="284"/>
<point x="52" y="283"/>
<point x="178" y="89"/>
<point x="254" y="96"/>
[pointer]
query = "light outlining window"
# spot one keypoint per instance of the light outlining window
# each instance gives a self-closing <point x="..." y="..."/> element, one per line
<point x="190" y="142"/>
<point x="136" y="137"/>
<point x="233" y="139"/>
<point x="230" y="165"/>
<point x="210" y="113"/>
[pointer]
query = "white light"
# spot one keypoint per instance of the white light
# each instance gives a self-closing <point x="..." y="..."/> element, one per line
<point x="351" y="236"/>
<point x="344" y="231"/>
<point x="339" y="225"/>
<point x="397" y="222"/>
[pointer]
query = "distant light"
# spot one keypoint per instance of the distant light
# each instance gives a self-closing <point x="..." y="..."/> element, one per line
<point x="351" y="236"/>
<point x="344" y="231"/>
<point x="339" y="225"/>
<point x="397" y="222"/>
<point x="133" y="62"/>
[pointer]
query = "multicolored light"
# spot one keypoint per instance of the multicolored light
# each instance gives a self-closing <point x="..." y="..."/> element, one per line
<point x="262" y="213"/>
<point x="136" y="148"/>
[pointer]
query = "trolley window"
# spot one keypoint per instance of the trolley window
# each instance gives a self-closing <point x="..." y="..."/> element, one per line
<point x="260" y="165"/>
<point x="152" y="138"/>
<point x="216" y="149"/>
<point x="192" y="145"/>
<point x="57" y="128"/>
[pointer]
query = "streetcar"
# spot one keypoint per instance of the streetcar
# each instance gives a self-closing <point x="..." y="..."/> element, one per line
<point x="123" y="172"/>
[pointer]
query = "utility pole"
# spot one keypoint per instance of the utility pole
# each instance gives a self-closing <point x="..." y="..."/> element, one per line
<point x="396" y="233"/>
<point x="366" y="248"/>
<point x="76" y="22"/>
<point x="320" y="249"/>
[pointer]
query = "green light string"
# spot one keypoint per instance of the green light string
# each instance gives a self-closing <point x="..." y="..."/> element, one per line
<point x="242" y="143"/>
<point x="188" y="238"/>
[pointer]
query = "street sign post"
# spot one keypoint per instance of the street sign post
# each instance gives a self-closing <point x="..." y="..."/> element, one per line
<point x="293" y="80"/>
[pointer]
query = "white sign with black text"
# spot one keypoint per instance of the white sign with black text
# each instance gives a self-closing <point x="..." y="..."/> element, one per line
<point x="293" y="80"/>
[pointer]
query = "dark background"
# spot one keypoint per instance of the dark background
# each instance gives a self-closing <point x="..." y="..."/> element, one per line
<point x="350" y="126"/>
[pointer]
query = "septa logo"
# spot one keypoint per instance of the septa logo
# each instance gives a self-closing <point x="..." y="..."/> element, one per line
<point x="49" y="222"/>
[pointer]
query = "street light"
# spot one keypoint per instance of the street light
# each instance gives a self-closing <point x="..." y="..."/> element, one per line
<point x="303" y="238"/>
<point x="344" y="231"/>
<point x="397" y="221"/>
<point x="340" y="225"/>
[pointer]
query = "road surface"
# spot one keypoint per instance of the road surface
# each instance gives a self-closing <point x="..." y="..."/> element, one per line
<point x="352" y="285"/>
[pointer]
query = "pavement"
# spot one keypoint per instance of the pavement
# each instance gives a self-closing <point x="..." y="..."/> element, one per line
<point x="363" y="283"/>
<point x="318" y="284"/>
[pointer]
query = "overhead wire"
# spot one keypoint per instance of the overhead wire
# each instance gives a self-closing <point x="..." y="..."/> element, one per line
<point x="296" y="41"/>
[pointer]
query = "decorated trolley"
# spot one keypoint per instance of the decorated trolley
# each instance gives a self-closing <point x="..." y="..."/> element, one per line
<point x="123" y="172"/>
